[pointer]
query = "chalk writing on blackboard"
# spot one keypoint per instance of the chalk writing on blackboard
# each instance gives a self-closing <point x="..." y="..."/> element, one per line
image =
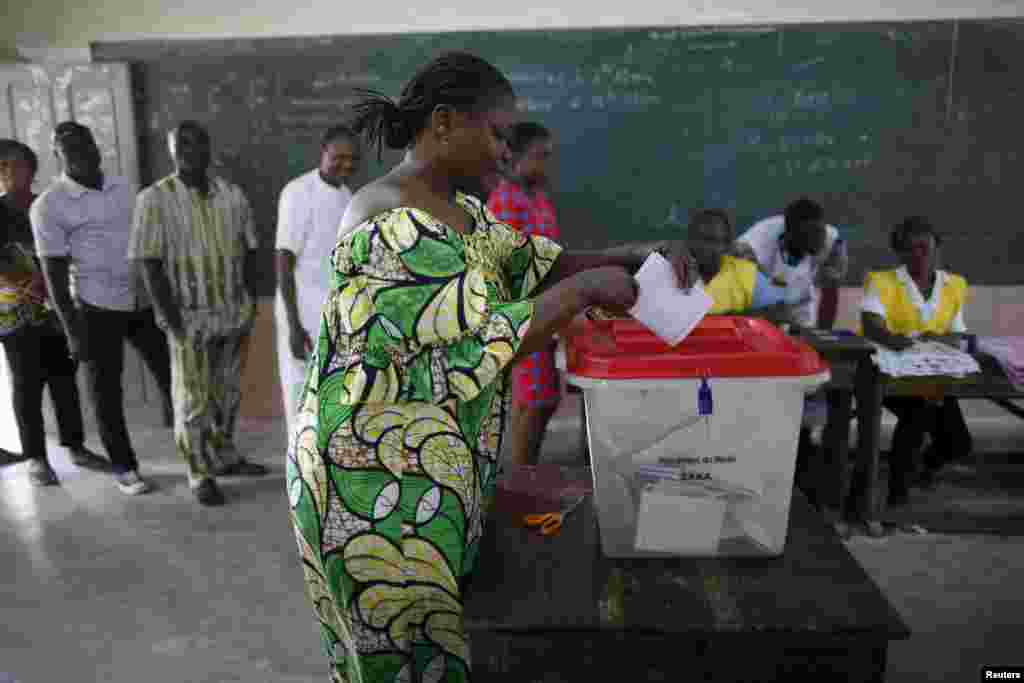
<point x="706" y="47"/>
<point x="345" y="79"/>
<point x="686" y="34"/>
<point x="861" y="118"/>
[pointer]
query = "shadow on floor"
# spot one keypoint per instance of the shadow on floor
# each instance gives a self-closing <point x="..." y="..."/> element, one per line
<point x="968" y="498"/>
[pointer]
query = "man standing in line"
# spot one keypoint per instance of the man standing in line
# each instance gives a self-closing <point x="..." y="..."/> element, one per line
<point x="308" y="217"/>
<point x="37" y="352"/>
<point x="81" y="226"/>
<point x="193" y="233"/>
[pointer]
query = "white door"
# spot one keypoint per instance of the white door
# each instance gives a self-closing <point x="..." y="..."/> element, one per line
<point x="33" y="99"/>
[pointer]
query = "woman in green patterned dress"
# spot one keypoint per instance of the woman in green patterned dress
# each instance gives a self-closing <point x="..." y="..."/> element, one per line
<point x="392" y="464"/>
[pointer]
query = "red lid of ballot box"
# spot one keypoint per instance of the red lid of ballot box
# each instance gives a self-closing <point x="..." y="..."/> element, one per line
<point x="720" y="346"/>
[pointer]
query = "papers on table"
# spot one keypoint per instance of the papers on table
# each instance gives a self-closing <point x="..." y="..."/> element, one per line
<point x="925" y="359"/>
<point x="662" y="306"/>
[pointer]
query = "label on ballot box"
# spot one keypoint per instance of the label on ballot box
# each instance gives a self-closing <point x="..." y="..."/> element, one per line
<point x="699" y="448"/>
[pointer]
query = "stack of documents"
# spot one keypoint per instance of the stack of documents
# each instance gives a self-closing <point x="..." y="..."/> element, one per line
<point x="925" y="359"/>
<point x="1009" y="351"/>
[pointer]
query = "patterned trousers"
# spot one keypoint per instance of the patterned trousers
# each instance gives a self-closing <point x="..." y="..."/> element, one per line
<point x="206" y="389"/>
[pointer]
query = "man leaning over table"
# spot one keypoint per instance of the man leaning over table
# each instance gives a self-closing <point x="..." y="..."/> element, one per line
<point x="801" y="252"/>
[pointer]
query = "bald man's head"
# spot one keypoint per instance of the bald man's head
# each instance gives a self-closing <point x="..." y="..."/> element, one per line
<point x="189" y="144"/>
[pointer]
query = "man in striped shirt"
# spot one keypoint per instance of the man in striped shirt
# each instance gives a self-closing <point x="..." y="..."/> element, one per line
<point x="193" y="232"/>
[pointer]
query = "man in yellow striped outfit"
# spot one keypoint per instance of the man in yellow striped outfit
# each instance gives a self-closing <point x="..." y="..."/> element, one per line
<point x="193" y="233"/>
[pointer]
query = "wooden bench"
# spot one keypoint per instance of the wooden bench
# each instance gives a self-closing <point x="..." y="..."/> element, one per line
<point x="556" y="609"/>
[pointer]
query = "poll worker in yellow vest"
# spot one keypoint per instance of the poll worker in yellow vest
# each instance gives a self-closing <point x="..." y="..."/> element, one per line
<point x="735" y="285"/>
<point x="917" y="301"/>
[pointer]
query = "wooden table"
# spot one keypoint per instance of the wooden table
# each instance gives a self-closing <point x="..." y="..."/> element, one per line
<point x="847" y="356"/>
<point x="854" y="374"/>
<point x="556" y="609"/>
<point x="872" y="387"/>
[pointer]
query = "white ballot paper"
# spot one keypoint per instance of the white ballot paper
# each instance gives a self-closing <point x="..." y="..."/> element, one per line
<point x="662" y="306"/>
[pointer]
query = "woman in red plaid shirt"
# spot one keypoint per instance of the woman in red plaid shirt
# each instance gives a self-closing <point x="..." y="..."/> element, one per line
<point x="520" y="200"/>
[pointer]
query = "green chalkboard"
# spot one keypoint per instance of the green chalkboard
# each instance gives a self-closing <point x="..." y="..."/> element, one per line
<point x="876" y="121"/>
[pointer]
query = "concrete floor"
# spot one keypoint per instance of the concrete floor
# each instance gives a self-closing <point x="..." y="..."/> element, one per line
<point x="98" y="586"/>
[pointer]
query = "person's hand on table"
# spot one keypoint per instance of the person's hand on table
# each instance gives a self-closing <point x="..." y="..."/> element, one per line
<point x="898" y="342"/>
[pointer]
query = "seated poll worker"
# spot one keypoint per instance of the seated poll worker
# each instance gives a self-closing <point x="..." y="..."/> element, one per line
<point x="735" y="285"/>
<point x="917" y="301"/>
<point x="391" y="467"/>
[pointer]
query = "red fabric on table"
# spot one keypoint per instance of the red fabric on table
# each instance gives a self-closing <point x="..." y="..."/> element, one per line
<point x="534" y="489"/>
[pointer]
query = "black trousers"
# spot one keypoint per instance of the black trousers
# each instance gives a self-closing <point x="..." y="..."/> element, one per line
<point x="107" y="332"/>
<point x="38" y="357"/>
<point x="915" y="418"/>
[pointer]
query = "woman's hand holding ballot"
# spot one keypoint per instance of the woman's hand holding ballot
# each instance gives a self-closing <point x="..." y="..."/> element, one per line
<point x="675" y="251"/>
<point x="682" y="260"/>
<point x="633" y="256"/>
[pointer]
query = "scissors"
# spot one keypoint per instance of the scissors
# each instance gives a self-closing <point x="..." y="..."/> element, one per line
<point x="550" y="523"/>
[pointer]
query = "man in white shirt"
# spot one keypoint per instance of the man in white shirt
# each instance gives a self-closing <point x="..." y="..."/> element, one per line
<point x="309" y="214"/>
<point x="81" y="225"/>
<point x="799" y="251"/>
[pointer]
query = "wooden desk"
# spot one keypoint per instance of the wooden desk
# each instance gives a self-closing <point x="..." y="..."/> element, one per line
<point x="831" y="474"/>
<point x="558" y="610"/>
<point x="872" y="387"/>
<point x="855" y="374"/>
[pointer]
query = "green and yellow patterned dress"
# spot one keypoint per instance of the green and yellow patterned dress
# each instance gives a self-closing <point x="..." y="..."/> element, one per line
<point x="392" y="465"/>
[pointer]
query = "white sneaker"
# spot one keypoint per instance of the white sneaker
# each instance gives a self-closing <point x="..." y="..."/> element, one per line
<point x="131" y="483"/>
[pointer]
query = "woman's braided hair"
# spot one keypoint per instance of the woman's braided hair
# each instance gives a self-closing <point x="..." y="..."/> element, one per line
<point x="457" y="79"/>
